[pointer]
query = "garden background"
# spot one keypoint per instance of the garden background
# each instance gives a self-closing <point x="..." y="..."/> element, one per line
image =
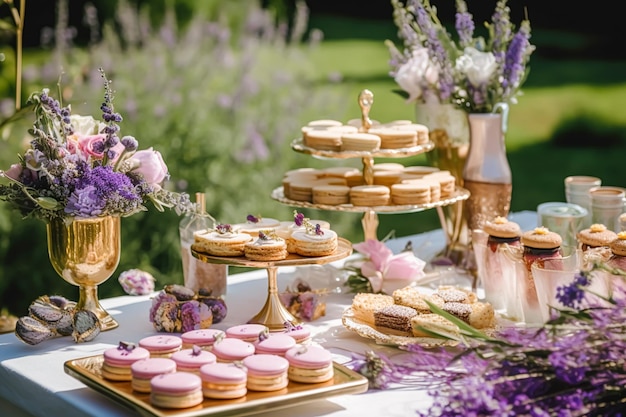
<point x="221" y="88"/>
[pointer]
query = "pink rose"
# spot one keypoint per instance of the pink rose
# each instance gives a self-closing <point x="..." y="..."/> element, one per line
<point x="14" y="172"/>
<point x="387" y="271"/>
<point x="88" y="144"/>
<point x="375" y="250"/>
<point x="150" y="164"/>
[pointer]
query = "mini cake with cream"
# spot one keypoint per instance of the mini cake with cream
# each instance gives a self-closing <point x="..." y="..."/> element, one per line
<point x="255" y="224"/>
<point x="268" y="246"/>
<point x="223" y="241"/>
<point x="313" y="240"/>
<point x="286" y="229"/>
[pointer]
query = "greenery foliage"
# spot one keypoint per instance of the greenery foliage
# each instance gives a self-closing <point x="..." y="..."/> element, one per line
<point x="221" y="99"/>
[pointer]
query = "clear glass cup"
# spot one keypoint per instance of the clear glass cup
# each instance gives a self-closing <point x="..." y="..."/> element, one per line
<point x="577" y="192"/>
<point x="566" y="219"/>
<point x="550" y="274"/>
<point x="607" y="205"/>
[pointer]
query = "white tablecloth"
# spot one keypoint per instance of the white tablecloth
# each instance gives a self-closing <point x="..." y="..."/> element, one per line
<point x="33" y="382"/>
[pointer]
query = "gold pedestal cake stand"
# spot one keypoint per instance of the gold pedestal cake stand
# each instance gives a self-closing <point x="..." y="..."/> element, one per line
<point x="274" y="314"/>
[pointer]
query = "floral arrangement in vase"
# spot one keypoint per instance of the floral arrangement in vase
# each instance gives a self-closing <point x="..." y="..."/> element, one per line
<point x="471" y="71"/>
<point x="79" y="167"/>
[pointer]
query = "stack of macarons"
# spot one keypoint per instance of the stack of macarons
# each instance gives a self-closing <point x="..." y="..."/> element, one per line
<point x="117" y="361"/>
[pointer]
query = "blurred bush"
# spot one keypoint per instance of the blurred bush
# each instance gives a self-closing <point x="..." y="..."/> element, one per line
<point x="220" y="97"/>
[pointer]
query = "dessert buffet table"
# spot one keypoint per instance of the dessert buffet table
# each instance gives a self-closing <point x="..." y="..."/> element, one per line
<point x="34" y="383"/>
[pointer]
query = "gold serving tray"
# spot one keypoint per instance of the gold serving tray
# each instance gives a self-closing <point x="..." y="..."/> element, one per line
<point x="299" y="146"/>
<point x="460" y="194"/>
<point x="345" y="381"/>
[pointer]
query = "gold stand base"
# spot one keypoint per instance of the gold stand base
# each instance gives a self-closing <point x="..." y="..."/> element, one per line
<point x="273" y="314"/>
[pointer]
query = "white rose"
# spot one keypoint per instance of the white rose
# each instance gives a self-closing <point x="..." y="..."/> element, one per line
<point x="86" y="125"/>
<point x="478" y="66"/>
<point x="415" y="73"/>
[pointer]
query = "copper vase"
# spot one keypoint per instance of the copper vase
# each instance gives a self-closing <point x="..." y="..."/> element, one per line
<point x="86" y="252"/>
<point x="487" y="174"/>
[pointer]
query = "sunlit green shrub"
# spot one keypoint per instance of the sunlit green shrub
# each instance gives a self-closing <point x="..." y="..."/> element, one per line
<point x="221" y="101"/>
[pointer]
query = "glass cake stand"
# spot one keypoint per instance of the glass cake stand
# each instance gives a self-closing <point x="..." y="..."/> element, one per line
<point x="274" y="314"/>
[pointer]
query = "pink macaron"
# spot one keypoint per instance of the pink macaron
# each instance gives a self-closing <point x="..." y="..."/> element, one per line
<point x="161" y="346"/>
<point x="190" y="360"/>
<point x="309" y="364"/>
<point x="146" y="369"/>
<point x="300" y="332"/>
<point x="274" y="343"/>
<point x="249" y="332"/>
<point x="266" y="372"/>
<point x="201" y="337"/>
<point x="223" y="380"/>
<point x="230" y="349"/>
<point x="176" y="390"/>
<point x="118" y="360"/>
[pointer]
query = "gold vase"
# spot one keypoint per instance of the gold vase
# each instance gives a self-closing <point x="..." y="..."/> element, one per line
<point x="449" y="131"/>
<point x="85" y="253"/>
